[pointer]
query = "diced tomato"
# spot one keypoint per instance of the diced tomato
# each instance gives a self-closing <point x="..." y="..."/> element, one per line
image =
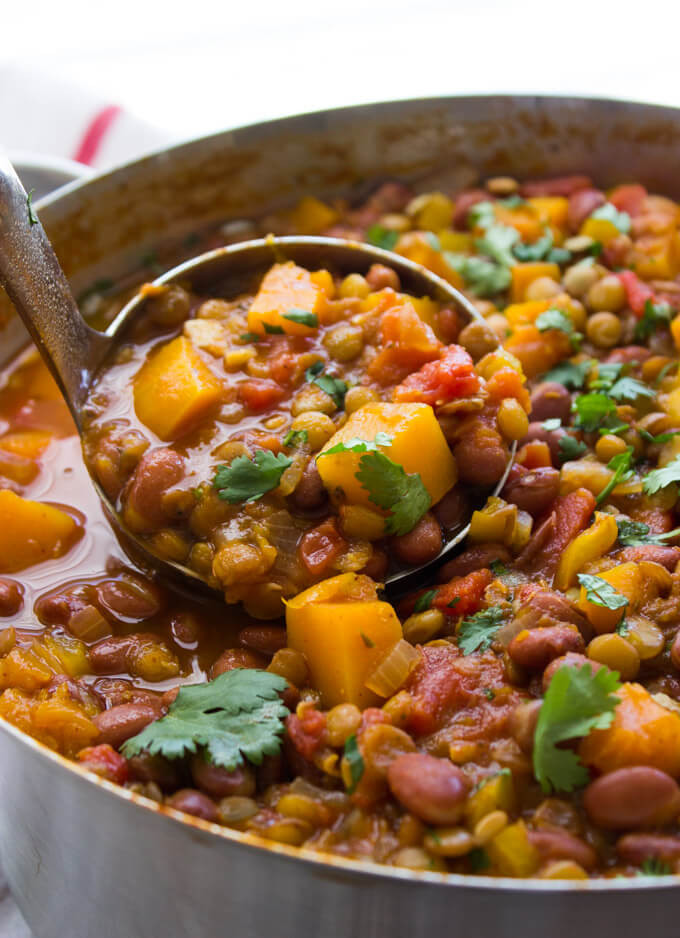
<point x="320" y="547"/>
<point x="258" y="394"/>
<point x="570" y="515"/>
<point x="628" y="198"/>
<point x="637" y="291"/>
<point x="306" y="731"/>
<point x="463" y="595"/>
<point x="507" y="382"/>
<point x="371" y="716"/>
<point x="106" y="762"/>
<point x="451" y="377"/>
<point x="282" y="363"/>
<point x="560" y="185"/>
<point x="406" y="343"/>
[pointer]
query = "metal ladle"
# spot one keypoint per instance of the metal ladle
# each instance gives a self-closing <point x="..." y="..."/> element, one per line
<point x="74" y="352"/>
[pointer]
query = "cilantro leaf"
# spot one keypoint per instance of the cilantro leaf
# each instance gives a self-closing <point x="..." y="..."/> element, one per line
<point x="558" y="256"/>
<point x="32" y="217"/>
<point x="653" y="866"/>
<point x="607" y="373"/>
<point x="424" y="601"/>
<point x="622" y="472"/>
<point x="247" y="480"/>
<point x="497" y="244"/>
<point x="601" y="593"/>
<point x="313" y="371"/>
<point x="355" y="762"/>
<point x="577" y="701"/>
<point x="591" y="409"/>
<point x="238" y="714"/>
<point x="629" y="389"/>
<point x="355" y="445"/>
<point x="660" y="478"/>
<point x="609" y="212"/>
<point x="391" y="488"/>
<point x="478" y="859"/>
<point x="536" y="251"/>
<point x="433" y="240"/>
<point x="659" y="438"/>
<point x="481" y="215"/>
<point x="250" y="337"/>
<point x="554" y="319"/>
<point x="569" y="374"/>
<point x="482" y="277"/>
<point x="637" y="533"/>
<point x="653" y="316"/>
<point x="295" y="438"/>
<point x="333" y="387"/>
<point x="571" y="448"/>
<point x="512" y="201"/>
<point x="302" y="316"/>
<point x="478" y="631"/>
<point x="272" y="329"/>
<point x="382" y="237"/>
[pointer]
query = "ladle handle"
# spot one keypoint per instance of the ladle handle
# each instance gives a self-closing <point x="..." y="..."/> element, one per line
<point x="36" y="284"/>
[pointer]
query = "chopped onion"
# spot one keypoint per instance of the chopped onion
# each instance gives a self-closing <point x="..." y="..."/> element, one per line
<point x="88" y="624"/>
<point x="393" y="670"/>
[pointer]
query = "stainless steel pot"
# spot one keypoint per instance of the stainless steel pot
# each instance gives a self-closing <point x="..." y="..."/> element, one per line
<point x="88" y="860"/>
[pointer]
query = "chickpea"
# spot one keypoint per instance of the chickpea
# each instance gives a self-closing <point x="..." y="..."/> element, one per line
<point x="290" y="664"/>
<point x="311" y="398"/>
<point x="394" y="221"/>
<point x="580" y="277"/>
<point x="431" y="210"/>
<point x="318" y="426"/>
<point x="341" y="722"/>
<point x="502" y="185"/>
<point x="543" y="288"/>
<point x="478" y="339"/>
<point x="603" y="329"/>
<point x="616" y="653"/>
<point x="513" y="421"/>
<point x="354" y="285"/>
<point x="645" y="636"/>
<point x="423" y="626"/>
<point x="357" y="396"/>
<point x="609" y="446"/>
<point x="607" y="294"/>
<point x="344" y="342"/>
<point x="500" y="325"/>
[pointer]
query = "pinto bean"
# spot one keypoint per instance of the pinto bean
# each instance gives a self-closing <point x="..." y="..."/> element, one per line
<point x="474" y="558"/>
<point x="534" y="649"/>
<point x="121" y="722"/>
<point x="570" y="660"/>
<point x="561" y="845"/>
<point x="550" y="604"/>
<point x="481" y="456"/>
<point x="663" y="554"/>
<point x="453" y="509"/>
<point x="522" y="724"/>
<point x="629" y="353"/>
<point x="11" y="597"/>
<point x="538" y="432"/>
<point x="130" y="599"/>
<point x="220" y="782"/>
<point x="193" y="802"/>
<point x="421" y="544"/>
<point x="117" y="652"/>
<point x="157" y="471"/>
<point x="233" y="658"/>
<point x="265" y="639"/>
<point x="310" y="493"/>
<point x="534" y="491"/>
<point x="550" y="400"/>
<point x="376" y="566"/>
<point x="636" y="796"/>
<point x="582" y="204"/>
<point x="636" y="848"/>
<point x="169" y="308"/>
<point x="380" y="277"/>
<point x="433" y="789"/>
<point x="147" y="768"/>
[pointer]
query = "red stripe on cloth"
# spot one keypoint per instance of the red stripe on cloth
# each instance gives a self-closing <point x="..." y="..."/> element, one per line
<point x="95" y="133"/>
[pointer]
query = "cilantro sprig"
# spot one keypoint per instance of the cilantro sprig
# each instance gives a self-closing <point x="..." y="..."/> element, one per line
<point x="355" y="762"/>
<point x="637" y="534"/>
<point x="659" y="479"/>
<point x="356" y="445"/>
<point x="238" y="715"/>
<point x="247" y="480"/>
<point x="601" y="593"/>
<point x="592" y="409"/>
<point x="477" y="632"/>
<point x="382" y="237"/>
<point x="621" y="466"/>
<point x="609" y="212"/>
<point x="301" y="316"/>
<point x="577" y="701"/>
<point x="571" y="448"/>
<point x="336" y="388"/>
<point x="390" y="487"/>
<point x="654" y="316"/>
<point x="571" y="374"/>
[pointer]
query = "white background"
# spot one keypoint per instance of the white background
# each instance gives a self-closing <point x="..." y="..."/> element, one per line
<point x="203" y="65"/>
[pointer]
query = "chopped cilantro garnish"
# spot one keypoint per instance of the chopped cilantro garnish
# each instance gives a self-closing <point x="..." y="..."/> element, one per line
<point x="498" y="568"/>
<point x="622" y="628"/>
<point x="355" y="762"/>
<point x="272" y="330"/>
<point x="391" y="488"/>
<point x="238" y="714"/>
<point x="654" y="315"/>
<point x="433" y="240"/>
<point x="571" y="375"/>
<point x="660" y="478"/>
<point x="32" y="218"/>
<point x="577" y="701"/>
<point x="368" y="642"/>
<point x="571" y="448"/>
<point x="497" y="244"/>
<point x="382" y="237"/>
<point x="620" y="464"/>
<point x="653" y="866"/>
<point x="482" y="277"/>
<point x="478" y="859"/>
<point x="302" y="316"/>
<point x="295" y="438"/>
<point x="558" y="256"/>
<point x="609" y="212"/>
<point x="556" y="319"/>
<point x="424" y="601"/>
<point x="481" y="215"/>
<point x="334" y="387"/>
<point x="629" y="389"/>
<point x="250" y="337"/>
<point x="601" y="593"/>
<point x="659" y="438"/>
<point x="536" y="251"/>
<point x="591" y="409"/>
<point x="355" y="445"/>
<point x="478" y="631"/>
<point x="247" y="480"/>
<point x="512" y="201"/>
<point x="488" y="693"/>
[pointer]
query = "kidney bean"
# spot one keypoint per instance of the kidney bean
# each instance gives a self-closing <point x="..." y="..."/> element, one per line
<point x="169" y="308"/>
<point x="114" y="691"/>
<point x="433" y="789"/>
<point x="628" y="354"/>
<point x="163" y="772"/>
<point x="419" y="545"/>
<point x="111" y="655"/>
<point x="453" y="509"/>
<point x="387" y="198"/>
<point x="534" y="649"/>
<point x="193" y="802"/>
<point x="265" y="639"/>
<point x="534" y="491"/>
<point x="570" y="660"/>
<point x="636" y="848"/>
<point x="553" y="605"/>
<point x="464" y="202"/>
<point x="663" y="554"/>
<point x="481" y="456"/>
<point x="156" y="472"/>
<point x="474" y="558"/>
<point x="560" y="185"/>
<point x="129" y="599"/>
<point x="637" y="796"/>
<point x="377" y="566"/>
<point x="11" y="597"/>
<point x="121" y="722"/>
<point x="380" y="277"/>
<point x="550" y="400"/>
<point x="185" y="630"/>
<point x="560" y="845"/>
<point x="220" y="782"/>
<point x="552" y="437"/>
<point x="310" y="493"/>
<point x="269" y="772"/>
<point x="582" y="204"/>
<point x="522" y="724"/>
<point x="233" y="658"/>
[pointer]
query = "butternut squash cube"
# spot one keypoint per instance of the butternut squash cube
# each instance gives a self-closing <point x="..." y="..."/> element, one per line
<point x="311" y="216"/>
<point x="511" y="853"/>
<point x="627" y="580"/>
<point x="344" y="631"/>
<point x="551" y="209"/>
<point x="29" y="444"/>
<point x="418" y="445"/>
<point x="285" y="288"/>
<point x="31" y="532"/>
<point x="174" y="390"/>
